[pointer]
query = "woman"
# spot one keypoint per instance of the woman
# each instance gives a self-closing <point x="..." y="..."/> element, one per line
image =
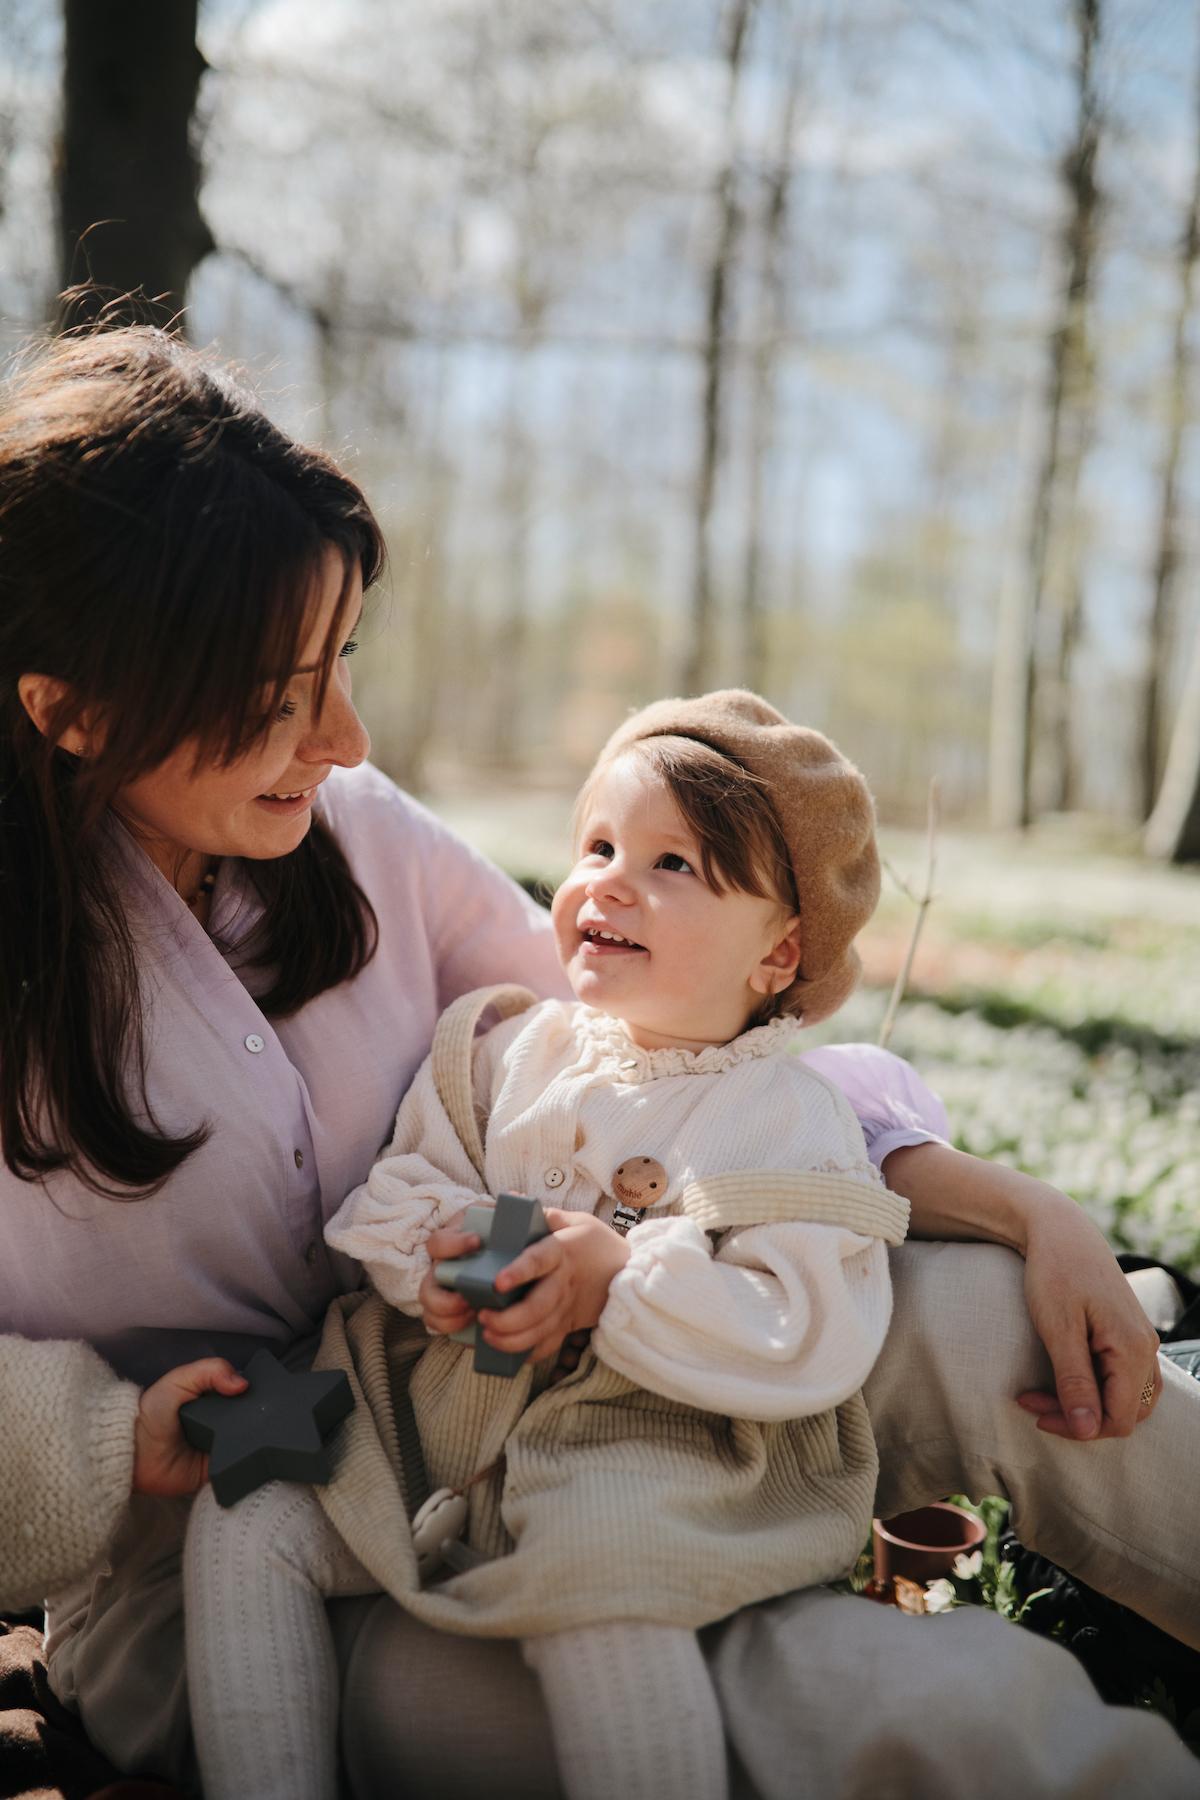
<point x="224" y="941"/>
<point x="60" y="1499"/>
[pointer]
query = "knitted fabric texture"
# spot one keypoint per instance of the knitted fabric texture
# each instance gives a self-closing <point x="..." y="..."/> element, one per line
<point x="828" y="820"/>
<point x="613" y="1501"/>
<point x="67" y="1464"/>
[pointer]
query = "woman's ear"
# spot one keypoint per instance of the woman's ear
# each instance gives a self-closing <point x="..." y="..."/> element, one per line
<point x="41" y="696"/>
<point x="777" y="970"/>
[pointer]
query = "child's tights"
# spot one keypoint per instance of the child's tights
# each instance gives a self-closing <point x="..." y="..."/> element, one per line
<point x="262" y="1675"/>
<point x="633" y="1712"/>
<point x="632" y="1709"/>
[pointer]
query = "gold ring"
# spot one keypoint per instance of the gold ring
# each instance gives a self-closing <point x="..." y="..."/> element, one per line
<point x="1147" y="1394"/>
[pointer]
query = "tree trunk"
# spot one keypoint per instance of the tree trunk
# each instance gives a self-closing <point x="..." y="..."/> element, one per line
<point x="1173" y="828"/>
<point x="1008" y="736"/>
<point x="510" y="683"/>
<point x="426" y="584"/>
<point x="769" y="325"/>
<point x="697" y="662"/>
<point x="1055" y="549"/>
<point x="1008" y="739"/>
<point x="1166" y="561"/>
<point x="129" y="217"/>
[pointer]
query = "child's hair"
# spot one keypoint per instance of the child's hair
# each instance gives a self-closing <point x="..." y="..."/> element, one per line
<point x="741" y="841"/>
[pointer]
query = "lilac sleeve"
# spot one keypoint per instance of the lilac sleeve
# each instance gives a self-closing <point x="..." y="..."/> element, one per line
<point x="893" y="1104"/>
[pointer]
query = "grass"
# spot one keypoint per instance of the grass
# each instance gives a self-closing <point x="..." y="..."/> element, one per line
<point x="1106" y="1110"/>
<point x="1064" y="1037"/>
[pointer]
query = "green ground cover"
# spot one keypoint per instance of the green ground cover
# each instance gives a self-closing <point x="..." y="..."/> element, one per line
<point x="1106" y="1110"/>
<point x="1055" y="1006"/>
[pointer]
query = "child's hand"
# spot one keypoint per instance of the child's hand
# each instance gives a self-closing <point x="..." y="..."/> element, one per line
<point x="442" y="1309"/>
<point x="163" y="1460"/>
<point x="572" y="1269"/>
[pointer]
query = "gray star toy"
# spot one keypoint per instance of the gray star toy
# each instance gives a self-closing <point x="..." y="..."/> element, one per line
<point x="505" y="1230"/>
<point x="277" y="1430"/>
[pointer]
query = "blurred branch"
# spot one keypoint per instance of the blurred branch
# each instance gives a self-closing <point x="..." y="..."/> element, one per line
<point x="417" y="125"/>
<point x="922" y="903"/>
<point x="371" y="321"/>
<point x="291" y="291"/>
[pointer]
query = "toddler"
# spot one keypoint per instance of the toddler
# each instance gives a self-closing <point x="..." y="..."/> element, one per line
<point x="716" y="1227"/>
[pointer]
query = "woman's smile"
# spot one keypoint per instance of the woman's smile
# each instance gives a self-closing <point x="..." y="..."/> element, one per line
<point x="284" y="804"/>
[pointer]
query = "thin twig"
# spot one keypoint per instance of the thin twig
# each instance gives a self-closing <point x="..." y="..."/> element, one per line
<point x="922" y="904"/>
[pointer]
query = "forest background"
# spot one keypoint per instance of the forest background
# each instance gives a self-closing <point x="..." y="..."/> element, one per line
<point x="842" y="350"/>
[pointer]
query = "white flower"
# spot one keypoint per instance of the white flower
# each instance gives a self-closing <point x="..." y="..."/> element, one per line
<point x="968" y="1567"/>
<point x="940" y="1595"/>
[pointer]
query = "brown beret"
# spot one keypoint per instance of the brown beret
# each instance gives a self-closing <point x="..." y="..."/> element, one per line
<point x="824" y="808"/>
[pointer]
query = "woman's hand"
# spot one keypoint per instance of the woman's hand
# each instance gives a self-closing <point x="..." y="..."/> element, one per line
<point x="572" y="1269"/>
<point x="1100" y="1342"/>
<point x="1102" y="1346"/>
<point x="164" y="1462"/>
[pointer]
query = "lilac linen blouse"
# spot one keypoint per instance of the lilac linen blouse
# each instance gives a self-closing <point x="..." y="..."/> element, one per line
<point x="231" y="1254"/>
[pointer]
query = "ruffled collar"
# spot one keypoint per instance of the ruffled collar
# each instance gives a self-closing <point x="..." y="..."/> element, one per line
<point x="609" y="1038"/>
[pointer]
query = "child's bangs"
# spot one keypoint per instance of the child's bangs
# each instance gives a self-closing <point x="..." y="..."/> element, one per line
<point x="727" y="809"/>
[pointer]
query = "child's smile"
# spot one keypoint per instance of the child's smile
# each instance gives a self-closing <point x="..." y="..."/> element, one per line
<point x="642" y="935"/>
<point x="598" y="942"/>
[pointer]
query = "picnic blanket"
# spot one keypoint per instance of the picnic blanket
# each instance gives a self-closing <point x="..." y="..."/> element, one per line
<point x="43" y="1751"/>
<point x="44" y="1754"/>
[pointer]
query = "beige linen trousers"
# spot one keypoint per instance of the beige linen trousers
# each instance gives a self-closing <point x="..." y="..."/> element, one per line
<point x="822" y="1695"/>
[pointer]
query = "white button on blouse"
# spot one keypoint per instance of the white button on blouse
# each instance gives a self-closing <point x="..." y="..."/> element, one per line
<point x="254" y="1043"/>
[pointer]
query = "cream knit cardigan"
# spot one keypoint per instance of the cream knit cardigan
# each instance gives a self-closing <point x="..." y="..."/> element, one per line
<point x="669" y="1477"/>
<point x="66" y="1464"/>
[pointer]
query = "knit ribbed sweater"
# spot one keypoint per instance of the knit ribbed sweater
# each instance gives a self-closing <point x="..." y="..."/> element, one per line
<point x="66" y="1463"/>
<point x="712" y="1448"/>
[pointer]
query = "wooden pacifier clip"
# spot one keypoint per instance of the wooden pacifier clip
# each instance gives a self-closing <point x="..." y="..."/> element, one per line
<point x="638" y="1182"/>
<point x="438" y="1526"/>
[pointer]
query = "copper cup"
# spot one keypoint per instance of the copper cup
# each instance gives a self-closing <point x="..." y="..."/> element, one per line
<point x="922" y="1545"/>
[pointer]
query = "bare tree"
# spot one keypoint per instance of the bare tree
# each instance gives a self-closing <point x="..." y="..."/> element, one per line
<point x="1009" y="745"/>
<point x="655" y="229"/>
<point x="129" y="218"/>
<point x="1173" y="828"/>
<point x="698" y="656"/>
<point x="423" y="583"/>
<point x="1055" y="562"/>
<point x="519" y="476"/>
<point x="1166" y="561"/>
<point x="769" y="323"/>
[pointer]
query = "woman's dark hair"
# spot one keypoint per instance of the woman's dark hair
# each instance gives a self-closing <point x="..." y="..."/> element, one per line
<point x="161" y="546"/>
